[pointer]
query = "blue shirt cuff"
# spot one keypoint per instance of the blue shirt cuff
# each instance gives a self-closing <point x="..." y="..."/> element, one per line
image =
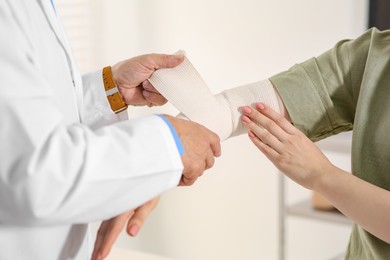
<point x="175" y="136"/>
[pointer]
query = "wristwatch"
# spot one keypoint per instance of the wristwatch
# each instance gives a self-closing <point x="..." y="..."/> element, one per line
<point x="114" y="98"/>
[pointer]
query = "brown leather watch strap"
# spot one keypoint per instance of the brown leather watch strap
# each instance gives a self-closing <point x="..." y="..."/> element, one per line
<point x="114" y="98"/>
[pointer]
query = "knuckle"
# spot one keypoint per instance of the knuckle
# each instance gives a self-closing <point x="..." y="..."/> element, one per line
<point x="165" y="58"/>
<point x="279" y="120"/>
<point x="188" y="181"/>
<point x="211" y="163"/>
<point x="281" y="160"/>
<point x="197" y="168"/>
<point x="267" y="135"/>
<point x="149" y="58"/>
<point x="151" y="61"/>
<point x="290" y="141"/>
<point x="269" y="124"/>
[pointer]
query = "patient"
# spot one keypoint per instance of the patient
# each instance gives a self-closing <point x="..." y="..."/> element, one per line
<point x="345" y="88"/>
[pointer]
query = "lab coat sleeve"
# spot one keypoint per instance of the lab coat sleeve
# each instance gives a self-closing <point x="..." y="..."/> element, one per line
<point x="53" y="172"/>
<point x="96" y="111"/>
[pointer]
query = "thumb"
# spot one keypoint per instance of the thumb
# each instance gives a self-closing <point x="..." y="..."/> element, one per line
<point x="167" y="61"/>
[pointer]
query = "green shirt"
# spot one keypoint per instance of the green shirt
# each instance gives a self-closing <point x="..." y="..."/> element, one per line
<point x="348" y="87"/>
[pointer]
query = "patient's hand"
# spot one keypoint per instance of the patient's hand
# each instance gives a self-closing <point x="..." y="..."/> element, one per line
<point x="288" y="148"/>
<point x="109" y="230"/>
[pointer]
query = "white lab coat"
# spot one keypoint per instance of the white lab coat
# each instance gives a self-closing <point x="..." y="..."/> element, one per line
<point x="64" y="159"/>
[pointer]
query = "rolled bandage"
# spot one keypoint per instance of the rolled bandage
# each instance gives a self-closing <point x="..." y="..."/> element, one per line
<point x="185" y="89"/>
<point x="247" y="95"/>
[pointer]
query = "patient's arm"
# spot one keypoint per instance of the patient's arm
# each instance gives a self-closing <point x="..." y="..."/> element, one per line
<point x="186" y="90"/>
<point x="248" y="95"/>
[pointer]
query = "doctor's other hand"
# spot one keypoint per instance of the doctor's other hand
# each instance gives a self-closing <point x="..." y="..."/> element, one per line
<point x="109" y="230"/>
<point x="131" y="78"/>
<point x="288" y="148"/>
<point x="200" y="147"/>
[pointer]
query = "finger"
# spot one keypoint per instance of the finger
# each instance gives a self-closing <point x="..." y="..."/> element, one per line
<point x="154" y="98"/>
<point x="152" y="95"/>
<point x="137" y="220"/>
<point x="187" y="181"/>
<point x="276" y="117"/>
<point x="265" y="122"/>
<point x="262" y="134"/>
<point x="149" y="87"/>
<point x="166" y="61"/>
<point x="99" y="239"/>
<point x="270" y="153"/>
<point x="215" y="144"/>
<point x="210" y="160"/>
<point x="114" y="228"/>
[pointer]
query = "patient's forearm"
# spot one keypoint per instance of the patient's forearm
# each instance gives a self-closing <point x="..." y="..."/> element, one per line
<point x="187" y="91"/>
<point x="246" y="95"/>
<point x="364" y="203"/>
<point x="232" y="100"/>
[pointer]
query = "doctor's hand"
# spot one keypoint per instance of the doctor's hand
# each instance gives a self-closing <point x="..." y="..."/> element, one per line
<point x="131" y="78"/>
<point x="288" y="148"/>
<point x="200" y="147"/>
<point x="109" y="230"/>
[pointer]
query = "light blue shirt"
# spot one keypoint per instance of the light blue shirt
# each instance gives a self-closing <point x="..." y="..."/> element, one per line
<point x="52" y="3"/>
<point x="175" y="136"/>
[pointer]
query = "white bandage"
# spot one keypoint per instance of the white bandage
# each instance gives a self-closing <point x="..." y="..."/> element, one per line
<point x="186" y="90"/>
<point x="247" y="95"/>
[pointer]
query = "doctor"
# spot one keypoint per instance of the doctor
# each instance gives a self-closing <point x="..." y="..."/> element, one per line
<point x="67" y="155"/>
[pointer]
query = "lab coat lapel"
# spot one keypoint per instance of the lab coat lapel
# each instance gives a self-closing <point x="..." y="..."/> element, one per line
<point x="55" y="24"/>
<point x="53" y="20"/>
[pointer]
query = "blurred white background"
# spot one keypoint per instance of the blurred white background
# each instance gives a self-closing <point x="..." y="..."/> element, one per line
<point x="231" y="212"/>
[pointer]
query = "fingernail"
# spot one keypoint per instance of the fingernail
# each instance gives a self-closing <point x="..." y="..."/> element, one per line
<point x="260" y="105"/>
<point x="133" y="230"/>
<point x="245" y="119"/>
<point x="251" y="134"/>
<point x="180" y="53"/>
<point x="146" y="85"/>
<point x="246" y="110"/>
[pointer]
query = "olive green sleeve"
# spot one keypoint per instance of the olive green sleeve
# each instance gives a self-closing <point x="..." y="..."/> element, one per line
<point x="321" y="94"/>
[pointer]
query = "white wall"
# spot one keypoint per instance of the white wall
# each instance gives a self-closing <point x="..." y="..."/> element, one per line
<point x="231" y="213"/>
